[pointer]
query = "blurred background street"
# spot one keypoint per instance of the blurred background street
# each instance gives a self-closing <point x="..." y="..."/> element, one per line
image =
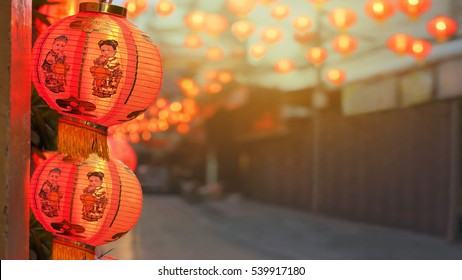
<point x="171" y="228"/>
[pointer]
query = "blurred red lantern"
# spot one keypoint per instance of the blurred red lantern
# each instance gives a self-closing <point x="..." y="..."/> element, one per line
<point x="240" y="7"/>
<point x="195" y="20"/>
<point x="344" y="44"/>
<point x="316" y="55"/>
<point x="342" y="18"/>
<point x="215" y="24"/>
<point x="442" y="27"/>
<point x="284" y="66"/>
<point x="379" y="10"/>
<point x="414" y="8"/>
<point x="214" y="53"/>
<point x="135" y="7"/>
<point x="280" y="12"/>
<point x="302" y="23"/>
<point x="92" y="201"/>
<point x="165" y="8"/>
<point x="419" y="49"/>
<point x="336" y="76"/>
<point x="271" y="34"/>
<point x="123" y="151"/>
<point x="399" y="43"/>
<point x="96" y="69"/>
<point x="242" y="29"/>
<point x="257" y="50"/>
<point x="193" y="41"/>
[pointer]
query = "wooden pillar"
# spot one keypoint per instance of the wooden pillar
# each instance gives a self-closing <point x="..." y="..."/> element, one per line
<point x="15" y="90"/>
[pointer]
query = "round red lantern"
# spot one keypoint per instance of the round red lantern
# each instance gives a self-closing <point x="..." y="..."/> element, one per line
<point x="414" y="8"/>
<point x="165" y="8"/>
<point x="257" y="50"/>
<point x="91" y="202"/>
<point x="316" y="55"/>
<point x="419" y="49"/>
<point x="193" y="41"/>
<point x="344" y="44"/>
<point x="240" y="7"/>
<point x="442" y="27"/>
<point x="302" y="23"/>
<point x="123" y="151"/>
<point x="379" y="10"/>
<point x="399" y="43"/>
<point x="271" y="34"/>
<point x="284" y="66"/>
<point x="195" y="20"/>
<point x="280" y="12"/>
<point x="342" y="18"/>
<point x="336" y="76"/>
<point x="215" y="24"/>
<point x="242" y="29"/>
<point x="96" y="69"/>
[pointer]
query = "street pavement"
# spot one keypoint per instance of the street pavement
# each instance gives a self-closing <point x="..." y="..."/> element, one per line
<point x="171" y="228"/>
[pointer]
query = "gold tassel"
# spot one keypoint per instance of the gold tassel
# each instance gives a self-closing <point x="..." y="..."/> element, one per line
<point x="64" y="249"/>
<point x="77" y="139"/>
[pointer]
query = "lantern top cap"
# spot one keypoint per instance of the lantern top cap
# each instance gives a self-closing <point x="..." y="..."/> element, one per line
<point x="101" y="7"/>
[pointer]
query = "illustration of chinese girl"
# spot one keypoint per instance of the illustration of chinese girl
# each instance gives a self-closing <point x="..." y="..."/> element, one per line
<point x="49" y="194"/>
<point x="54" y="66"/>
<point x="94" y="197"/>
<point x="106" y="71"/>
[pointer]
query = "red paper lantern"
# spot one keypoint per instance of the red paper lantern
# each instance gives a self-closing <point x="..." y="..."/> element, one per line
<point x="242" y="29"/>
<point x="165" y="8"/>
<point x="280" y="12"/>
<point x="379" y="10"/>
<point x="240" y="7"/>
<point x="193" y="41"/>
<point x="414" y="8"/>
<point x="271" y="34"/>
<point x="336" y="76"/>
<point x="342" y="18"/>
<point x="284" y="66"/>
<point x="92" y="201"/>
<point x="316" y="55"/>
<point x="399" y="43"/>
<point x="419" y="49"/>
<point x="442" y="27"/>
<point x="123" y="151"/>
<point x="96" y="69"/>
<point x="215" y="24"/>
<point x="344" y="44"/>
<point x="302" y="23"/>
<point x="257" y="50"/>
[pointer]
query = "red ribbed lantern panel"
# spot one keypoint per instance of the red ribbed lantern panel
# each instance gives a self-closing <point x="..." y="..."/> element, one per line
<point x="93" y="201"/>
<point x="123" y="151"/>
<point x="97" y="67"/>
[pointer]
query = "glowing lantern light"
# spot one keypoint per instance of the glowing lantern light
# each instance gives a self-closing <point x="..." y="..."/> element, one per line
<point x="122" y="151"/>
<point x="146" y="135"/>
<point x="176" y="106"/>
<point x="414" y="8"/>
<point x="225" y="77"/>
<point x="257" y="50"/>
<point x="193" y="41"/>
<point x="213" y="87"/>
<point x="342" y="18"/>
<point x="442" y="27"/>
<point x="195" y="20"/>
<point x="165" y="8"/>
<point x="211" y="74"/>
<point x="284" y="66"/>
<point x="214" y="53"/>
<point x="240" y="7"/>
<point x="316" y="55"/>
<point x="302" y="23"/>
<point x="97" y="70"/>
<point x="215" y="24"/>
<point x="135" y="7"/>
<point x="344" y="44"/>
<point x="163" y="125"/>
<point x="134" y="137"/>
<point x="420" y="49"/>
<point x="92" y="201"/>
<point x="336" y="76"/>
<point x="182" y="128"/>
<point x="399" y="43"/>
<point x="271" y="34"/>
<point x="242" y="29"/>
<point x="379" y="10"/>
<point x="161" y="103"/>
<point x="280" y="12"/>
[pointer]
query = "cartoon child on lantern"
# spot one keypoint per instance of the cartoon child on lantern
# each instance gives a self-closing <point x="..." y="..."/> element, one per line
<point x="49" y="194"/>
<point x="54" y="66"/>
<point x="94" y="197"/>
<point x="106" y="70"/>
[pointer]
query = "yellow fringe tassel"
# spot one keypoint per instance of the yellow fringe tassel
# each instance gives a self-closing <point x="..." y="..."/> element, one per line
<point x="76" y="141"/>
<point x="71" y="250"/>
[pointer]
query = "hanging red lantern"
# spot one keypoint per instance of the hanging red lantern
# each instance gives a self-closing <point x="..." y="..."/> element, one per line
<point x="379" y="10"/>
<point x="284" y="66"/>
<point x="414" y="8"/>
<point x="257" y="50"/>
<point x="123" y="151"/>
<point x="193" y="41"/>
<point x="242" y="29"/>
<point x="215" y="24"/>
<point x="342" y="18"/>
<point x="442" y="27"/>
<point x="302" y="23"/>
<point x="96" y="69"/>
<point x="271" y="34"/>
<point x="91" y="202"/>
<point x="280" y="12"/>
<point x="240" y="7"/>
<point x="165" y="8"/>
<point x="399" y="43"/>
<point x="195" y="20"/>
<point x="316" y="55"/>
<point x="344" y="44"/>
<point x="336" y="76"/>
<point x="419" y="49"/>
